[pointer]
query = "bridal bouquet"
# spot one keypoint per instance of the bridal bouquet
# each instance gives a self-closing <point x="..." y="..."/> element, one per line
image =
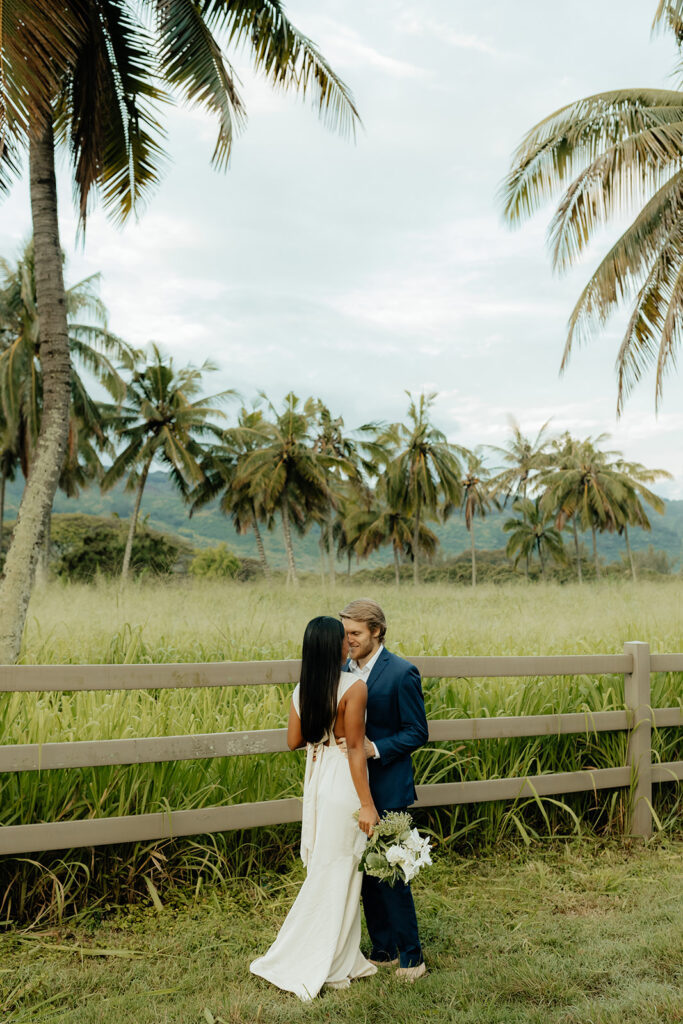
<point x="395" y="850"/>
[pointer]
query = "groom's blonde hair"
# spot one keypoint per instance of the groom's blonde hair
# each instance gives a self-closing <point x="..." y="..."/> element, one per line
<point x="368" y="611"/>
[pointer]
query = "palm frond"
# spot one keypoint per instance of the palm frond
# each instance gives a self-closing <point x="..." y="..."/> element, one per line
<point x="641" y="342"/>
<point x="287" y="58"/>
<point x="105" y="112"/>
<point x="194" y="65"/>
<point x="558" y="148"/>
<point x="624" y="266"/>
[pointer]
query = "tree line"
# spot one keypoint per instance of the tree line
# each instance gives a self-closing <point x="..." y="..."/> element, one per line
<point x="383" y="485"/>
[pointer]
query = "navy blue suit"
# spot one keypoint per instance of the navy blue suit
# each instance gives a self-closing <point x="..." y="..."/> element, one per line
<point x="397" y="725"/>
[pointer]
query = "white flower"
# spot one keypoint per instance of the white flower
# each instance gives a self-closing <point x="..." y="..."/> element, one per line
<point x="414" y="841"/>
<point x="394" y="854"/>
<point x="409" y="870"/>
<point x="424" y="857"/>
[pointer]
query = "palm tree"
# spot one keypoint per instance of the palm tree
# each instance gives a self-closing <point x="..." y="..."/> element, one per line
<point x="372" y="528"/>
<point x="631" y="510"/>
<point x="608" y="151"/>
<point x="88" y="74"/>
<point x="523" y="457"/>
<point x="92" y="347"/>
<point x="352" y="497"/>
<point x="286" y="473"/>
<point x="221" y="466"/>
<point x="479" y="493"/>
<point x="580" y="484"/>
<point x="161" y="422"/>
<point x="347" y="462"/>
<point x="422" y="469"/>
<point x="532" y="532"/>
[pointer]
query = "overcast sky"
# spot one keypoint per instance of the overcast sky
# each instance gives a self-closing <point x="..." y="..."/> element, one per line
<point x="353" y="271"/>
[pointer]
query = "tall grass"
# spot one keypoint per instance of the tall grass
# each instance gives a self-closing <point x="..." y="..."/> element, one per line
<point x="195" y="622"/>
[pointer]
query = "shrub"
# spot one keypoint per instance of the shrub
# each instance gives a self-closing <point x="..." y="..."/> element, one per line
<point x="215" y="563"/>
<point x="83" y="547"/>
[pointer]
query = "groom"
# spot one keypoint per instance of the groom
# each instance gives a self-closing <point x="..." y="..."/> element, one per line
<point x="396" y="725"/>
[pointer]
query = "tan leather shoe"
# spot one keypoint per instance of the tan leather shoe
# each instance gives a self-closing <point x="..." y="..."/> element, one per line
<point x="411" y="974"/>
<point x="383" y="963"/>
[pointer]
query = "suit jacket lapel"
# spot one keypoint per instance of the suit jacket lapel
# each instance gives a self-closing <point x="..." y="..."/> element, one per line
<point x="378" y="668"/>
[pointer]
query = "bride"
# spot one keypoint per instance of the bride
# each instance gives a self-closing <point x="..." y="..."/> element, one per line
<point x="319" y="941"/>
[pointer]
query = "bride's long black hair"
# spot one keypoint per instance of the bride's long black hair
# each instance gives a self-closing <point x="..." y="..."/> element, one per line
<point x="321" y="659"/>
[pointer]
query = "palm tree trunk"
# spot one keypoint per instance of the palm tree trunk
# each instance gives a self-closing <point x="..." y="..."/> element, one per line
<point x="323" y="556"/>
<point x="397" y="567"/>
<point x="287" y="534"/>
<point x="3" y="481"/>
<point x="330" y="542"/>
<point x="24" y="552"/>
<point x="44" y="561"/>
<point x="474" y="556"/>
<point x="416" y="537"/>
<point x="540" y="557"/>
<point x="134" y="521"/>
<point x="595" y="551"/>
<point x="576" y="546"/>
<point x="630" y="552"/>
<point x="259" y="545"/>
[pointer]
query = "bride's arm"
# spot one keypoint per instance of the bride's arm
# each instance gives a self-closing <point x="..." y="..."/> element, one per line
<point x="354" y="730"/>
<point x="294" y="737"/>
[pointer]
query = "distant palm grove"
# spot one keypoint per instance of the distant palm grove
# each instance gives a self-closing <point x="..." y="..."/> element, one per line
<point x="381" y="486"/>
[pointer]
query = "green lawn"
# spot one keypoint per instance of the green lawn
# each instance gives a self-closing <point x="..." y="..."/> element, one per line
<point x="582" y="933"/>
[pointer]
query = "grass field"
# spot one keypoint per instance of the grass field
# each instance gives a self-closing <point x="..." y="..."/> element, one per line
<point x="575" y="933"/>
<point x="209" y="621"/>
<point x="186" y="622"/>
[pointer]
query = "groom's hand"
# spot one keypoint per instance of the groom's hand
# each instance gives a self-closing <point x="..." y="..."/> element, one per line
<point x="368" y="747"/>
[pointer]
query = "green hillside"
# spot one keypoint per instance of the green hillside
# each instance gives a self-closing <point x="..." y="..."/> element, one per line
<point x="163" y="509"/>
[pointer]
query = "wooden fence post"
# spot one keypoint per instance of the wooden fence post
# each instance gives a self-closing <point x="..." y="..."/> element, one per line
<point x="639" y="758"/>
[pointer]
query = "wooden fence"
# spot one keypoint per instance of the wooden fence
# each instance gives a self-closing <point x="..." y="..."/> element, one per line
<point x="638" y="718"/>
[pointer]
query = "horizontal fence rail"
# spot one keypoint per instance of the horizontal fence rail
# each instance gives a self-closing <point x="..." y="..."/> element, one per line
<point x="637" y="720"/>
<point x="66" y="678"/>
<point x="27" y="757"/>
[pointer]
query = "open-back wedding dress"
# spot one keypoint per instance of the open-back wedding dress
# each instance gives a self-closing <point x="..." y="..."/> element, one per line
<point x="319" y="941"/>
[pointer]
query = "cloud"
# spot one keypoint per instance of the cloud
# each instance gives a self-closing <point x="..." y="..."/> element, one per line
<point x="409" y="24"/>
<point x="346" y="48"/>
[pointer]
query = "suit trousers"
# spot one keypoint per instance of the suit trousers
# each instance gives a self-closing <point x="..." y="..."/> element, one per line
<point x="391" y="920"/>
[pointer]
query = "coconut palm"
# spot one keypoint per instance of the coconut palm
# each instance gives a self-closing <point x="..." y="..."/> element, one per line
<point x="372" y="528"/>
<point x="580" y="484"/>
<point x="532" y="532"/>
<point x="93" y="349"/>
<point x="352" y="497"/>
<point x="422" y="469"/>
<point x="287" y="474"/>
<point x="162" y="420"/>
<point x="221" y="466"/>
<point x="478" y="495"/>
<point x="347" y="463"/>
<point x="631" y="511"/>
<point x="608" y="152"/>
<point x="89" y="75"/>
<point x="522" y="457"/>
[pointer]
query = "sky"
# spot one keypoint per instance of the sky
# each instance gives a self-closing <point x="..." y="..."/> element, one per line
<point x="357" y="270"/>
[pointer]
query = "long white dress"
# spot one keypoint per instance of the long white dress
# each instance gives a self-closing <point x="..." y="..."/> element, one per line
<point x="319" y="941"/>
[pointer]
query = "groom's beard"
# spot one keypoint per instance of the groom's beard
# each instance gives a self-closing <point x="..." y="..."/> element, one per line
<point x="364" y="652"/>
